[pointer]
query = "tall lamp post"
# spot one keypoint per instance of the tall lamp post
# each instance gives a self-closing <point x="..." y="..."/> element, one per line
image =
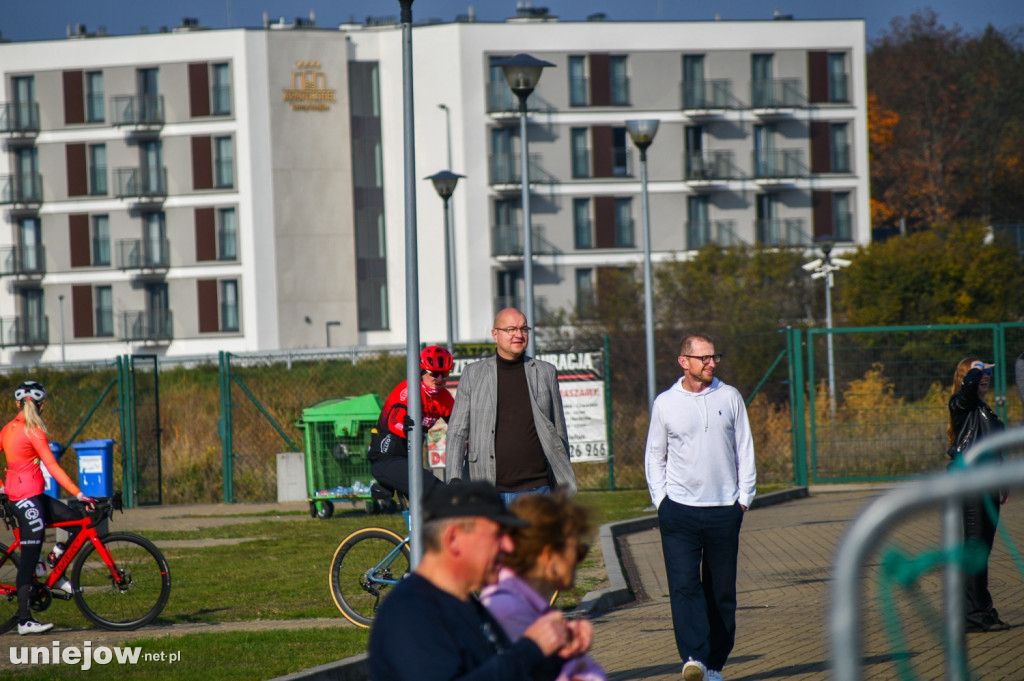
<point x="823" y="268"/>
<point x="522" y="73"/>
<point x="444" y="183"/>
<point x="642" y="133"/>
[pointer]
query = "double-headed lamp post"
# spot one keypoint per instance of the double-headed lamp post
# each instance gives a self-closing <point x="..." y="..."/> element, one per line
<point x="444" y="183"/>
<point x="642" y="133"/>
<point x="823" y="268"/>
<point x="522" y="73"/>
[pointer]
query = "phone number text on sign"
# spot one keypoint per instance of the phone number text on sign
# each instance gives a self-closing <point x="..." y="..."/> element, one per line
<point x="588" y="451"/>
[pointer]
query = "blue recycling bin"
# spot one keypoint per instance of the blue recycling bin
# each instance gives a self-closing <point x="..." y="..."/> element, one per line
<point x="95" y="467"/>
<point x="52" y="486"/>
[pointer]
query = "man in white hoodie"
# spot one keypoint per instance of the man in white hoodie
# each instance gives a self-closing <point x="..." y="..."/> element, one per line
<point x="700" y="472"/>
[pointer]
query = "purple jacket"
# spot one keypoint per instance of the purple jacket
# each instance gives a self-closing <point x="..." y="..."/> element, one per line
<point x="516" y="605"/>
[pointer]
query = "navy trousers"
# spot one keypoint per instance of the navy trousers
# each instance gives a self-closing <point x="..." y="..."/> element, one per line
<point x="701" y="545"/>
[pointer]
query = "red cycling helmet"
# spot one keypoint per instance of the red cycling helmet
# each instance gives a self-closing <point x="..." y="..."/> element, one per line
<point x="436" y="358"/>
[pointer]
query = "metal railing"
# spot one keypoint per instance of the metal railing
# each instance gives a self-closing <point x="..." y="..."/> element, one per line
<point x="140" y="254"/>
<point x="140" y="182"/>
<point x="782" y="232"/>
<point x="21" y="188"/>
<point x="147" y="325"/>
<point x="780" y="164"/>
<point x="710" y="165"/>
<point x="141" y="110"/>
<point x="20" y="260"/>
<point x="501" y="99"/>
<point x="507" y="240"/>
<point x="777" y="93"/>
<point x="702" y="232"/>
<point x="24" y="331"/>
<point x="704" y="95"/>
<point x="507" y="169"/>
<point x="19" y="117"/>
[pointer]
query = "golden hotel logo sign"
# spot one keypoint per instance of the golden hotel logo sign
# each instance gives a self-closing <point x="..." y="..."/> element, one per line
<point x="309" y="91"/>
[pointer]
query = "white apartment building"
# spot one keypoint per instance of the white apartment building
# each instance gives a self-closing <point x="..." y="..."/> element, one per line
<point x="191" y="191"/>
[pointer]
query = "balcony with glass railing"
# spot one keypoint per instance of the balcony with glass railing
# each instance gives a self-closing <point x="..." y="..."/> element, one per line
<point x="506" y="169"/>
<point x="708" y="95"/>
<point x="782" y="164"/>
<point x="702" y="232"/>
<point x="19" y="118"/>
<point x="21" y="189"/>
<point x="142" y="111"/>
<point x="24" y="332"/>
<point x="25" y="260"/>
<point x="147" y="325"/>
<point x="782" y="232"/>
<point x="507" y="241"/>
<point x="140" y="183"/>
<point x="710" y="166"/>
<point x="777" y="93"/>
<point x="143" y="254"/>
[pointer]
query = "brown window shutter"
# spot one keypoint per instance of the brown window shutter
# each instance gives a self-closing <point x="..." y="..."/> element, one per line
<point x="600" y="80"/>
<point x="601" y="150"/>
<point x="206" y="234"/>
<point x="208" y="318"/>
<point x="604" y="221"/>
<point x="821" y="154"/>
<point x="202" y="163"/>
<point x="78" y="233"/>
<point x="821" y="205"/>
<point x="78" y="177"/>
<point x="817" y="76"/>
<point x="74" y="99"/>
<point x="199" y="89"/>
<point x="81" y="311"/>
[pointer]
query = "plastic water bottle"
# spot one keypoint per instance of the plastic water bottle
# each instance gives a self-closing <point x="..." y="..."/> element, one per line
<point x="55" y="554"/>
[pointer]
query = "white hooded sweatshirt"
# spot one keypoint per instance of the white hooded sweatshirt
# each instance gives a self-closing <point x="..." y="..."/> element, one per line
<point x="699" y="447"/>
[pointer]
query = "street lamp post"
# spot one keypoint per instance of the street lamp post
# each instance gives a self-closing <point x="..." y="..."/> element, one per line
<point x="522" y="73"/>
<point x="823" y="268"/>
<point x="449" y="235"/>
<point x="444" y="183"/>
<point x="642" y="133"/>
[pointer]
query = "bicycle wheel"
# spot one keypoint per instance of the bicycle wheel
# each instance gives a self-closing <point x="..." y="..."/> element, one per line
<point x="9" y="578"/>
<point x="136" y="596"/>
<point x="362" y="560"/>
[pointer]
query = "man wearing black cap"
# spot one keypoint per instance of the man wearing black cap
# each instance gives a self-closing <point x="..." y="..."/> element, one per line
<point x="431" y="627"/>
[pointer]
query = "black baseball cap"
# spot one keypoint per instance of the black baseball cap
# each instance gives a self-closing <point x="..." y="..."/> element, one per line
<point x="468" y="500"/>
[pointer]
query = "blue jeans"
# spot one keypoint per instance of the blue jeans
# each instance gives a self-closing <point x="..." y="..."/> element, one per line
<point x="701" y="545"/>
<point x="507" y="497"/>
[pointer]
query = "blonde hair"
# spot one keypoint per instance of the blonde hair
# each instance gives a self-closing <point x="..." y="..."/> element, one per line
<point x="958" y="380"/>
<point x="33" y="420"/>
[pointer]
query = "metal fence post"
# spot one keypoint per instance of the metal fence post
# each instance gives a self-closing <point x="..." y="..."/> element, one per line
<point x="224" y="426"/>
<point x="796" y="402"/>
<point x="127" y="463"/>
<point x="608" y="411"/>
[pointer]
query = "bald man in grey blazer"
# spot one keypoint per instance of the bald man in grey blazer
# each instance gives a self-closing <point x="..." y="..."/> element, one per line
<point x="507" y="426"/>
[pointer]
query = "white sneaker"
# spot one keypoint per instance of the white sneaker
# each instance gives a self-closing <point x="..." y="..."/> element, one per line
<point x="64" y="584"/>
<point x="694" y="670"/>
<point x="714" y="675"/>
<point x="33" y="627"/>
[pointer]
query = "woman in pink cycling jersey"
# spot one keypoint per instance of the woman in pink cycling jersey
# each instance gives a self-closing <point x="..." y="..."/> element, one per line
<point x="25" y="444"/>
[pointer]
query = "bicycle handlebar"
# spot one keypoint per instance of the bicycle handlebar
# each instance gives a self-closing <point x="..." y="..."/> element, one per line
<point x="104" y="509"/>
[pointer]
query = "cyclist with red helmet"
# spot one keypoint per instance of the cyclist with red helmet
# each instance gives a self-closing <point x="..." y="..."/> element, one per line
<point x="24" y="442"/>
<point x="389" y="448"/>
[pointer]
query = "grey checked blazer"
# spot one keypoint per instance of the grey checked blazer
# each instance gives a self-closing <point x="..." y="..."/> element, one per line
<point x="470" y="439"/>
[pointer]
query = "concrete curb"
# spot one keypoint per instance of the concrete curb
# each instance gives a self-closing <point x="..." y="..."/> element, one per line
<point x="619" y="591"/>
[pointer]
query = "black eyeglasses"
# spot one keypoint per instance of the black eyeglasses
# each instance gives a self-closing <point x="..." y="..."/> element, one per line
<point x="513" y="330"/>
<point x="706" y="358"/>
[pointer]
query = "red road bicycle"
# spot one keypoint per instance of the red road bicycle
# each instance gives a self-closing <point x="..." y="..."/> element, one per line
<point x="120" y="581"/>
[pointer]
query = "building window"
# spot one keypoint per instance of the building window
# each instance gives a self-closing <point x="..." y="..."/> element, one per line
<point x="620" y="153"/>
<point x="98" y="169"/>
<point x="619" y="81"/>
<point x="837" y="90"/>
<point x="698" y="228"/>
<point x="30" y="246"/>
<point x="693" y="82"/>
<point x="839" y="145"/>
<point x="25" y="115"/>
<point x="221" y="90"/>
<point x="101" y="240"/>
<point x="154" y="242"/>
<point x="577" y="80"/>
<point x="761" y="93"/>
<point x="227" y="235"/>
<point x="224" y="163"/>
<point x="624" y="223"/>
<point x="35" y="329"/>
<point x="104" y="311"/>
<point x="842" y="218"/>
<point x="94" y="97"/>
<point x="582" y="226"/>
<point x="580" y="153"/>
<point x="229" y="305"/>
<point x="586" y="295"/>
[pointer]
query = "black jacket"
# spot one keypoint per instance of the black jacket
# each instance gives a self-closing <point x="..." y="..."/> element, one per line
<point x="972" y="418"/>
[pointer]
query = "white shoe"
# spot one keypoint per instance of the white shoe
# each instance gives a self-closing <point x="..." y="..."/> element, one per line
<point x="64" y="584"/>
<point x="33" y="627"/>
<point x="694" y="670"/>
<point x="714" y="675"/>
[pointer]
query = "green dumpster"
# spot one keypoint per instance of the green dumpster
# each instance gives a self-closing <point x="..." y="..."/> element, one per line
<point x="336" y="434"/>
